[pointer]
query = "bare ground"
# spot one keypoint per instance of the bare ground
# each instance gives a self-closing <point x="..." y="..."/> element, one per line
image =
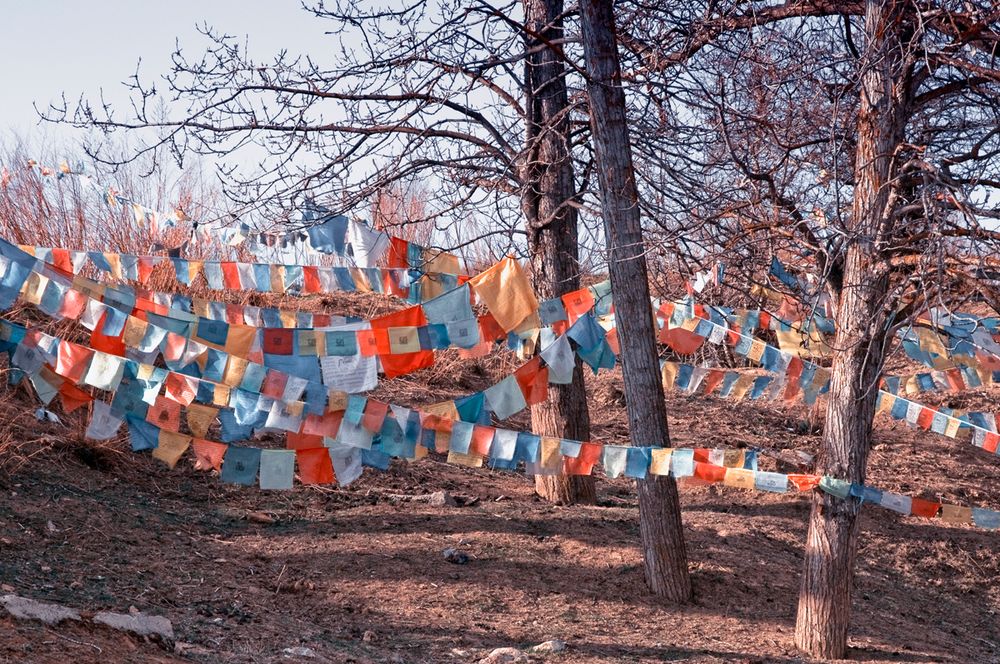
<point x="357" y="575"/>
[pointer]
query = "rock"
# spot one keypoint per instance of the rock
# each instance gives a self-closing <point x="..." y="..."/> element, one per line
<point x="137" y="623"/>
<point x="455" y="556"/>
<point x="300" y="651"/>
<point x="548" y="647"/>
<point x="504" y="656"/>
<point x="29" y="609"/>
<point x="368" y="636"/>
<point x="441" y="499"/>
<point x="261" y="517"/>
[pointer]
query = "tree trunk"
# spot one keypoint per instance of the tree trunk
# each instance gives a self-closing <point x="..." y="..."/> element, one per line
<point x="547" y="189"/>
<point x="659" y="506"/>
<point x="825" y="595"/>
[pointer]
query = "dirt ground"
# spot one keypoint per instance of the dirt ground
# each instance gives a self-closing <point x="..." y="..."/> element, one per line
<point x="358" y="575"/>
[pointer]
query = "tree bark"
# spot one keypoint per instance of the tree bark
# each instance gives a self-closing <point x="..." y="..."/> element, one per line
<point x="547" y="189"/>
<point x="659" y="505"/>
<point x="825" y="595"/>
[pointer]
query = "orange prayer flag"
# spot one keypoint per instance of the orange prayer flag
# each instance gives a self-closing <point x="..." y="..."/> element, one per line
<point x="234" y="314"/>
<point x="954" y="379"/>
<point x="925" y="508"/>
<point x="576" y="466"/>
<point x="399" y="250"/>
<point x="709" y="472"/>
<point x="315" y="466"/>
<point x="310" y="277"/>
<point x="533" y="379"/>
<point x="231" y="276"/>
<point x="925" y="418"/>
<point x="990" y="441"/>
<point x="165" y="414"/>
<point x="367" y="343"/>
<point x="274" y="384"/>
<point x="73" y="304"/>
<point x="683" y="342"/>
<point x="482" y="439"/>
<point x="327" y="424"/>
<point x="303" y="441"/>
<point x="113" y="345"/>
<point x="583" y="464"/>
<point x="804" y="482"/>
<point x="490" y="330"/>
<point x="701" y="454"/>
<point x="733" y="336"/>
<point x="73" y="361"/>
<point x="577" y="303"/>
<point x="181" y="388"/>
<point x="208" y="454"/>
<point x="61" y="259"/>
<point x="374" y="415"/>
<point x="145" y="268"/>
<point x="73" y="397"/>
<point x="712" y="380"/>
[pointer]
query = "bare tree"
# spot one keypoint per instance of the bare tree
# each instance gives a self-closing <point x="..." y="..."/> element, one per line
<point x="659" y="505"/>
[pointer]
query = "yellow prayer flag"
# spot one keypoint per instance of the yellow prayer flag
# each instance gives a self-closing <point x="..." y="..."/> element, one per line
<point x="278" y="278"/>
<point x="733" y="458"/>
<point x="311" y="342"/>
<point x="741" y="478"/>
<point x="200" y="418"/>
<point x="660" y="463"/>
<point x="789" y="341"/>
<point x="90" y="288"/>
<point x="471" y="460"/>
<point x="33" y="288"/>
<point x="403" y="340"/>
<point x="884" y="404"/>
<point x="115" y="261"/>
<point x="235" y="368"/>
<point x="956" y="514"/>
<point x="442" y="442"/>
<point x="741" y="386"/>
<point x="240" y="339"/>
<point x="360" y="280"/>
<point x="170" y="447"/>
<point x="439" y="261"/>
<point x="336" y="401"/>
<point x="445" y="409"/>
<point x="220" y="395"/>
<point x="551" y="457"/>
<point x="669" y="374"/>
<point x="200" y="307"/>
<point x="506" y="292"/>
<point x="135" y="331"/>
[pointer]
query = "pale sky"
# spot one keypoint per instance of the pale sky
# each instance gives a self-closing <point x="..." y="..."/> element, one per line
<point x="48" y="48"/>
